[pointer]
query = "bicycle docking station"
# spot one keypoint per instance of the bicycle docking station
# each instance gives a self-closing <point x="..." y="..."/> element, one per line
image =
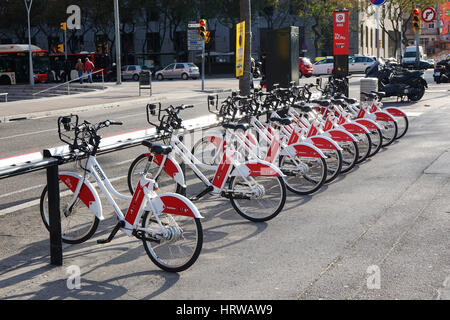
<point x="50" y="159"/>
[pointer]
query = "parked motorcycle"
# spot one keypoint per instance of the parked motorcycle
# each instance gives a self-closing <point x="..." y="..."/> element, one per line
<point x="442" y="71"/>
<point x="398" y="82"/>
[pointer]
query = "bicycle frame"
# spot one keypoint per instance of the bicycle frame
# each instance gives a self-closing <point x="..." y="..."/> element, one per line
<point x="144" y="198"/>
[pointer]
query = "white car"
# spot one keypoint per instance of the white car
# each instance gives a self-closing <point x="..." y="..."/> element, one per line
<point x="324" y="66"/>
<point x="131" y="72"/>
<point x="360" y="64"/>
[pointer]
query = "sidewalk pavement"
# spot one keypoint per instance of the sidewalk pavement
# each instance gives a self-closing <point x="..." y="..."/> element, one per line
<point x="113" y="96"/>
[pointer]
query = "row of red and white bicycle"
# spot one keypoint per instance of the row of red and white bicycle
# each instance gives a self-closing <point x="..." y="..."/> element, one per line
<point x="267" y="143"/>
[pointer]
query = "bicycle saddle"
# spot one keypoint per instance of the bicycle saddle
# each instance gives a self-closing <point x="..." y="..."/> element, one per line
<point x="282" y="121"/>
<point x="302" y="107"/>
<point x="339" y="102"/>
<point x="157" y="148"/>
<point x="371" y="96"/>
<point x="323" y="103"/>
<point x="379" y="94"/>
<point x="350" y="100"/>
<point x="236" y="126"/>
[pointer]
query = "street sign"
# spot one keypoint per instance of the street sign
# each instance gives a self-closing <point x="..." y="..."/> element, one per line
<point x="428" y="14"/>
<point x="193" y="40"/>
<point x="377" y="2"/>
<point x="341" y="33"/>
<point x="193" y="25"/>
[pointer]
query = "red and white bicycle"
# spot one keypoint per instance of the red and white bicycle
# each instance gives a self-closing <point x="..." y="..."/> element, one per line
<point x="255" y="188"/>
<point x="168" y="224"/>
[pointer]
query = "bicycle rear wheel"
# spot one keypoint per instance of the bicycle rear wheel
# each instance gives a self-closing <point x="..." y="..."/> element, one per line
<point x="389" y="131"/>
<point x="334" y="164"/>
<point x="78" y="223"/>
<point x="377" y="138"/>
<point x="259" y="198"/>
<point x="305" y="178"/>
<point x="350" y="154"/>
<point x="364" y="146"/>
<point x="181" y="246"/>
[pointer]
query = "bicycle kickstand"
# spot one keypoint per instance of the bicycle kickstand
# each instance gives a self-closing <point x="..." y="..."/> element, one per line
<point x="119" y="225"/>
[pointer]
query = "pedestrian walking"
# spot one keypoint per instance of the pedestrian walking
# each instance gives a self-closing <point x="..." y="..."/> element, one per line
<point x="88" y="67"/>
<point x="67" y="69"/>
<point x="79" y="67"/>
<point x="58" y="68"/>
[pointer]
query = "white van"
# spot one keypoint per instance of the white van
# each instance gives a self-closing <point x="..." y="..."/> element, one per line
<point x="409" y="57"/>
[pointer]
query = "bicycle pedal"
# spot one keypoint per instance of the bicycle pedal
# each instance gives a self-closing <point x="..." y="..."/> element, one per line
<point x="119" y="225"/>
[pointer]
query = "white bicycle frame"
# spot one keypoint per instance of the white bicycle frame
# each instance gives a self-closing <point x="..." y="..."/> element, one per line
<point x="144" y="198"/>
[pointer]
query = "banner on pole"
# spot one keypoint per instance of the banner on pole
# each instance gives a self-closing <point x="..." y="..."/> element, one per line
<point x="340" y="33"/>
<point x="240" y="45"/>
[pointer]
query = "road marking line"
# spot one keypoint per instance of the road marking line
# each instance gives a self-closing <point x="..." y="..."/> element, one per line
<point x="27" y="134"/>
<point x="37" y="201"/>
<point x="22" y="190"/>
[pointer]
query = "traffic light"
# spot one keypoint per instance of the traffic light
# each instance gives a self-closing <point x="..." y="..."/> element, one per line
<point x="60" y="48"/>
<point x="416" y="20"/>
<point x="63" y="25"/>
<point x="202" y="29"/>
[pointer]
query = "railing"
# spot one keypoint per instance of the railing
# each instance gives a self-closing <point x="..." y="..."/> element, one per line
<point x="6" y="96"/>
<point x="68" y="83"/>
<point x="50" y="159"/>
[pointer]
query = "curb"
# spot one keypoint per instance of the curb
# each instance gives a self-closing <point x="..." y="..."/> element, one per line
<point x="110" y="105"/>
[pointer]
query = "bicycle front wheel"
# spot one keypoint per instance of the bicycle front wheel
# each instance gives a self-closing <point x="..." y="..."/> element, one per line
<point x="259" y="198"/>
<point x="350" y="154"/>
<point x="364" y="146"/>
<point x="176" y="247"/>
<point x="78" y="223"/>
<point x="141" y="166"/>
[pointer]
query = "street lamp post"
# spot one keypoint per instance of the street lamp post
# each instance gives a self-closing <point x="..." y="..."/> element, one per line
<point x="117" y="31"/>
<point x="28" y="4"/>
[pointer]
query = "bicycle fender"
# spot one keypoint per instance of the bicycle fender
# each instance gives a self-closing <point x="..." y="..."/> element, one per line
<point x="355" y="128"/>
<point x="384" y="116"/>
<point x="257" y="169"/>
<point x="340" y="135"/>
<point x="323" y="142"/>
<point x="171" y="167"/>
<point x="396" y="112"/>
<point x="304" y="149"/>
<point x="174" y="203"/>
<point x="368" y="123"/>
<point x="88" y="195"/>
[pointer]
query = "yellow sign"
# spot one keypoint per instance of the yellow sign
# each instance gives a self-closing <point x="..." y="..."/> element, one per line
<point x="240" y="45"/>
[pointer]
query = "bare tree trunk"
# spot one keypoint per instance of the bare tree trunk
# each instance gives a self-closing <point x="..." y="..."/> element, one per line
<point x="246" y="79"/>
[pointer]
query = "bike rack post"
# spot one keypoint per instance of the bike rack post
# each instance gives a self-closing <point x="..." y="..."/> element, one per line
<point x="56" y="257"/>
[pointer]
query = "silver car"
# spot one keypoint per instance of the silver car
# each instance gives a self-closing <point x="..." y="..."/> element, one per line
<point x="179" y="70"/>
<point x="131" y="72"/>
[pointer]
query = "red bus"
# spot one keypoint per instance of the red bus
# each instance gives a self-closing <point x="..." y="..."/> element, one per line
<point x="100" y="60"/>
<point x="14" y="64"/>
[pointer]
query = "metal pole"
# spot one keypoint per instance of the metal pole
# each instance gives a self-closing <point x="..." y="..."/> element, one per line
<point x="65" y="43"/>
<point x="203" y="64"/>
<point x="378" y="32"/>
<point x="117" y="31"/>
<point x="56" y="256"/>
<point x="245" y="80"/>
<point x="417" y="41"/>
<point x="30" y="54"/>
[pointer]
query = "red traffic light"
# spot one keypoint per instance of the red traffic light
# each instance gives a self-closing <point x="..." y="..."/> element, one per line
<point x="202" y="22"/>
<point x="416" y="12"/>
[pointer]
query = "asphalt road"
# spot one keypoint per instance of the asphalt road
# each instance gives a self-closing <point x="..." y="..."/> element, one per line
<point x="388" y="218"/>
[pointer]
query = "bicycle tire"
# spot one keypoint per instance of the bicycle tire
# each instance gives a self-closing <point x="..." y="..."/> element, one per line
<point x="364" y="151"/>
<point x="389" y="133"/>
<point x="257" y="217"/>
<point x="350" y="154"/>
<point x="377" y="139"/>
<point x="78" y="207"/>
<point x="402" y="128"/>
<point x="334" y="167"/>
<point x="165" y="182"/>
<point x="156" y="255"/>
<point x="310" y="181"/>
